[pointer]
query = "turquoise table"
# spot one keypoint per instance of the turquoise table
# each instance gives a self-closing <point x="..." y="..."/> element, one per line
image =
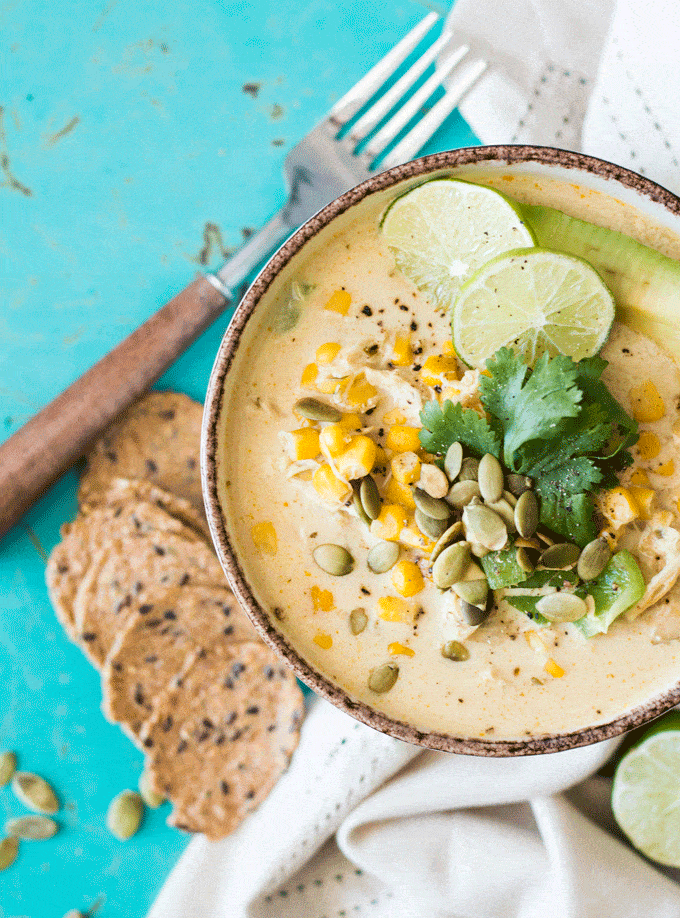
<point x="128" y="128"/>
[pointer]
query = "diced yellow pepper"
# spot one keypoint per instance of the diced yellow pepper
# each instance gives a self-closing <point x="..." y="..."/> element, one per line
<point x="332" y="384"/>
<point x="351" y="421"/>
<point x="340" y="302"/>
<point x="407" y="579"/>
<point x="618" y="507"/>
<point x="406" y="468"/>
<point x="399" y="493"/>
<point x="398" y="649"/>
<point x="394" y="609"/>
<point x="648" y="406"/>
<point x="644" y="498"/>
<point x="639" y="478"/>
<point x="553" y="669"/>
<point x="328" y="486"/>
<point x="305" y="443"/>
<point x="666" y="469"/>
<point x="413" y="537"/>
<point x="439" y="369"/>
<point x="403" y="352"/>
<point x="360" y="392"/>
<point x="264" y="537"/>
<point x="393" y="417"/>
<point x="326" y="353"/>
<point x="403" y="439"/>
<point x="648" y="445"/>
<point x="358" y="459"/>
<point x="389" y="524"/>
<point x="324" y="641"/>
<point x="309" y="374"/>
<point x="322" y="600"/>
<point x="332" y="440"/>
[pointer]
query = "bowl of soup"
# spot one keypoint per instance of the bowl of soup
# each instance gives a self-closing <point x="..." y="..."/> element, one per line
<point x="318" y="487"/>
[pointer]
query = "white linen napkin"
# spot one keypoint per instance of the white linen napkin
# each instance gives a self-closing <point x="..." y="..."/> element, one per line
<point x="363" y="825"/>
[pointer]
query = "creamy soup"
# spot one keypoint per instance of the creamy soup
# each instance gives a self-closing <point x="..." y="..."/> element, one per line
<point x="348" y="328"/>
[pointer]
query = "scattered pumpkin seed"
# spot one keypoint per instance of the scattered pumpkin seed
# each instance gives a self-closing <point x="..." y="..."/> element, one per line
<point x="433" y="507"/>
<point x="315" y="410"/>
<point x="454" y="650"/>
<point x="518" y="484"/>
<point x="359" y="507"/>
<point x="490" y="478"/>
<point x="560" y="557"/>
<point x="473" y="615"/>
<point x="479" y="551"/>
<point x="484" y="526"/>
<point x="452" y="534"/>
<point x="148" y="794"/>
<point x="505" y="511"/>
<point x="461" y="493"/>
<point x="382" y="678"/>
<point x="124" y="815"/>
<point x="453" y="461"/>
<point x="357" y="620"/>
<point x="593" y="559"/>
<point x="35" y="793"/>
<point x="526" y="514"/>
<point x="473" y="572"/>
<point x="544" y="537"/>
<point x="433" y="529"/>
<point x="370" y="497"/>
<point x="521" y="542"/>
<point x="510" y="497"/>
<point x="333" y="559"/>
<point x="523" y="560"/>
<point x="9" y="848"/>
<point x="8" y="765"/>
<point x="473" y="591"/>
<point x="31" y="828"/>
<point x="469" y="469"/>
<point x="450" y="565"/>
<point x="433" y="481"/>
<point x="561" y="607"/>
<point x="382" y="557"/>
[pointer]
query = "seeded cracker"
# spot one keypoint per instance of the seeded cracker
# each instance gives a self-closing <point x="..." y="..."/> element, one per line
<point x="157" y="439"/>
<point x="160" y="641"/>
<point x="219" y="742"/>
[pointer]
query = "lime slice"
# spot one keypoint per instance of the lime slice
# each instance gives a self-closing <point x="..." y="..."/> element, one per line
<point x="532" y="301"/>
<point x="646" y="792"/>
<point x="443" y="230"/>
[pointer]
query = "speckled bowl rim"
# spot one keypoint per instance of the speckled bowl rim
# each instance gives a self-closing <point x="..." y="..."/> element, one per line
<point x="533" y="745"/>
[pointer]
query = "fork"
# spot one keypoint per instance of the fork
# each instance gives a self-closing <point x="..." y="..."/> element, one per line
<point x="336" y="155"/>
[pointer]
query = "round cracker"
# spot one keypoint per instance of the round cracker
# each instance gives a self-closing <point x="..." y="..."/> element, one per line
<point x="221" y="738"/>
<point x="157" y="438"/>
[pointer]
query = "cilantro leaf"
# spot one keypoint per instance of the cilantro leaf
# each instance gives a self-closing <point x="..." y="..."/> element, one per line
<point x="445" y="424"/>
<point x="589" y="434"/>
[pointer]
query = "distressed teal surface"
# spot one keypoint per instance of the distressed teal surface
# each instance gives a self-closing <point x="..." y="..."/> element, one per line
<point x="127" y="130"/>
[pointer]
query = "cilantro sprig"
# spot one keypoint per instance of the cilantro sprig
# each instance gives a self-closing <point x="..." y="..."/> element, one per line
<point x="557" y="423"/>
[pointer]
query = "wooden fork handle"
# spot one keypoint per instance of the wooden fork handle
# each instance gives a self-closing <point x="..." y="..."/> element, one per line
<point x="37" y="454"/>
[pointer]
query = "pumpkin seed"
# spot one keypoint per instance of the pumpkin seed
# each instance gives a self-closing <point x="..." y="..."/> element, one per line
<point x="527" y="543"/>
<point x="505" y="511"/>
<point x="124" y="815"/>
<point x="433" y="481"/>
<point x="452" y="534"/>
<point x="433" y="529"/>
<point x="433" y="507"/>
<point x="518" y="484"/>
<point x="31" y="828"/>
<point x="450" y="565"/>
<point x="333" y="559"/>
<point x="560" y="557"/>
<point x="490" y="478"/>
<point x="461" y="493"/>
<point x="370" y="497"/>
<point x="479" y="551"/>
<point x="315" y="410"/>
<point x="523" y="560"/>
<point x="561" y="607"/>
<point x="382" y="557"/>
<point x="544" y="537"/>
<point x="358" y="506"/>
<point x="453" y="461"/>
<point x="473" y="572"/>
<point x="454" y="650"/>
<point x="511" y="499"/>
<point x="469" y="469"/>
<point x="484" y="526"/>
<point x="473" y="615"/>
<point x="74" y="913"/>
<point x="35" y="793"/>
<point x="8" y="765"/>
<point x="9" y="848"/>
<point x="382" y="678"/>
<point x="357" y="620"/>
<point x="473" y="591"/>
<point x="593" y="559"/>
<point x="526" y="514"/>
<point x="148" y="794"/>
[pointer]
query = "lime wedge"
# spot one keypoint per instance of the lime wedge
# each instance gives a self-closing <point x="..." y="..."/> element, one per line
<point x="646" y="792"/>
<point x="532" y="301"/>
<point x="443" y="230"/>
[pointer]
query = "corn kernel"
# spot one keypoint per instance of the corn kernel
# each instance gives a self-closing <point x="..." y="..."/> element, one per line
<point x="328" y="486"/>
<point x="358" y="459"/>
<point x="403" y="439"/>
<point x="439" y="369"/>
<point x="389" y="524"/>
<point x="676" y="427"/>
<point x="639" y="478"/>
<point x="332" y="440"/>
<point x="393" y="609"/>
<point x="406" y="468"/>
<point x="648" y="445"/>
<point x="264" y="537"/>
<point x="340" y="302"/>
<point x="407" y="579"/>
<point x="648" y="406"/>
<point x="396" y="648"/>
<point x="360" y="392"/>
<point x="324" y="641"/>
<point x="309" y="374"/>
<point x="534" y="641"/>
<point x="618" y="507"/>
<point x="380" y="458"/>
<point x="393" y="417"/>
<point x="403" y="352"/>
<point x="398" y="493"/>
<point x="322" y="600"/>
<point x="449" y="394"/>
<point x="448" y="349"/>
<point x="666" y="469"/>
<point x="644" y="498"/>
<point x="327" y="353"/>
<point x="305" y="443"/>
<point x="332" y="384"/>
<point x="351" y="421"/>
<point x="413" y="537"/>
<point x="553" y="669"/>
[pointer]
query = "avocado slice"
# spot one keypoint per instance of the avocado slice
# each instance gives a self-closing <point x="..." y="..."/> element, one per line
<point x="645" y="284"/>
<point x="619" y="587"/>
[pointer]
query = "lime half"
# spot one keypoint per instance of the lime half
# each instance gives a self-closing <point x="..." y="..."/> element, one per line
<point x="532" y="301"/>
<point x="443" y="230"/>
<point x="646" y="793"/>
